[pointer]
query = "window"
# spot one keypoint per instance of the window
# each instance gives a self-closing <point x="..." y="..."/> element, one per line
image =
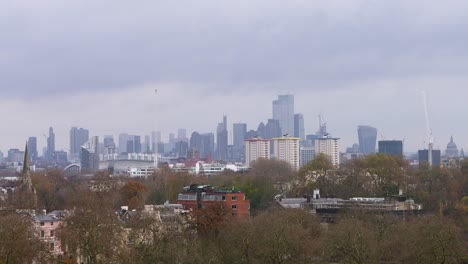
<point x="51" y="223"/>
<point x="233" y="198"/>
<point x="42" y="223"/>
<point x="234" y="207"/>
<point x="51" y="233"/>
<point x="42" y="233"/>
<point x="224" y="198"/>
<point x="51" y="246"/>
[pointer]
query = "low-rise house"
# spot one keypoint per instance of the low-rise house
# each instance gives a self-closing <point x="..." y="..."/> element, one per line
<point x="47" y="226"/>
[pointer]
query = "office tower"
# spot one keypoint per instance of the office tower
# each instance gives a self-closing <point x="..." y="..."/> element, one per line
<point x="283" y="110"/>
<point x="452" y="150"/>
<point x="50" y="145"/>
<point x="137" y="144"/>
<point x="146" y="146"/>
<point x="286" y="148"/>
<point x="261" y="130"/>
<point x="391" y="147"/>
<point x="299" y="126"/>
<point x="123" y="138"/>
<point x="208" y="146"/>
<point x="109" y="145"/>
<point x="239" y="131"/>
<point x="273" y="129"/>
<point x="155" y="139"/>
<point x="195" y="141"/>
<point x="78" y="137"/>
<point x="181" y="134"/>
<point x="251" y="134"/>
<point x="256" y="148"/>
<point x="181" y="148"/>
<point x="330" y="147"/>
<point x="32" y="149"/>
<point x="15" y="155"/>
<point x="1" y="157"/>
<point x="367" y="139"/>
<point x="89" y="157"/>
<point x="307" y="154"/>
<point x="222" y="140"/>
<point x="423" y="157"/>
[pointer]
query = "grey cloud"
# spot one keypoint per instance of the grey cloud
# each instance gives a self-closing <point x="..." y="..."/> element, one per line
<point x="52" y="46"/>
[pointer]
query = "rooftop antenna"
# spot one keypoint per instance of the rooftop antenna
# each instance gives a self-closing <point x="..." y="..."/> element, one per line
<point x="430" y="137"/>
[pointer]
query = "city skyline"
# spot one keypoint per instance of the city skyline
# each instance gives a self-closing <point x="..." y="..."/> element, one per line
<point x="362" y="63"/>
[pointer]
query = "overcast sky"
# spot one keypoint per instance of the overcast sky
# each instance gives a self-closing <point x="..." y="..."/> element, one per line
<point x="96" y="64"/>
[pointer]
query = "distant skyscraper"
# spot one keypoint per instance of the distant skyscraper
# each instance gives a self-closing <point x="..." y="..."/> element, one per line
<point x="155" y="139"/>
<point x="32" y="148"/>
<point x="307" y="154"/>
<point x="222" y="140"/>
<point x="78" y="137"/>
<point x="109" y="145"/>
<point x="283" y="110"/>
<point x="239" y="132"/>
<point x="181" y="133"/>
<point x="261" y="130"/>
<point x="330" y="147"/>
<point x="272" y="130"/>
<point x="299" y="126"/>
<point x="256" y="148"/>
<point x="89" y="157"/>
<point x="423" y="157"/>
<point x="208" y="146"/>
<point x="367" y="139"/>
<point x="287" y="149"/>
<point x="391" y="147"/>
<point x="50" y="145"/>
<point x="123" y="138"/>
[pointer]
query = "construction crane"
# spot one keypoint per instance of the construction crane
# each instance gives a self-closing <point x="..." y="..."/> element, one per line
<point x="430" y="138"/>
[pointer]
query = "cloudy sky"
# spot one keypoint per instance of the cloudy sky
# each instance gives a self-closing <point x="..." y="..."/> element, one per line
<point x="96" y="64"/>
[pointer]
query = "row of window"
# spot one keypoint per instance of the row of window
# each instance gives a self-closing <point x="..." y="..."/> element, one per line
<point x="43" y="223"/>
<point x="51" y="233"/>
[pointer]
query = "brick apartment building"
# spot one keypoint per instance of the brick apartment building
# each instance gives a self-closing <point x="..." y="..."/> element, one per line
<point x="201" y="196"/>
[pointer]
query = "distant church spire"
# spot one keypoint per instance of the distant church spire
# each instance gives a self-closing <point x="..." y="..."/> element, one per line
<point x="27" y="182"/>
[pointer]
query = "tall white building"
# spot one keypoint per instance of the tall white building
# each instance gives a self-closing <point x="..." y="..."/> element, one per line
<point x="286" y="148"/>
<point x="256" y="148"/>
<point x="283" y="110"/>
<point x="330" y="147"/>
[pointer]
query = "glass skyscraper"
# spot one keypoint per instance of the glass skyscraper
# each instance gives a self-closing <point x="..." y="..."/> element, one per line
<point x="367" y="139"/>
<point x="283" y="110"/>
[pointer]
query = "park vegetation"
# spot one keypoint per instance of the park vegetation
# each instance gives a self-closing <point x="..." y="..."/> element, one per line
<point x="270" y="234"/>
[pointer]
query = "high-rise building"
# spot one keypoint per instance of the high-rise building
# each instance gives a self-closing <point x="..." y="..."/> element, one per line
<point x="123" y="138"/>
<point x="208" y="146"/>
<point x="299" y="126"/>
<point x="423" y="157"/>
<point x="283" y="110"/>
<point x="222" y="140"/>
<point x="286" y="148"/>
<point x="256" y="148"/>
<point x="261" y="130"/>
<point x="78" y="137"/>
<point x="155" y="139"/>
<point x="239" y="132"/>
<point x="50" y="145"/>
<point x="89" y="157"/>
<point x="391" y="147"/>
<point x="367" y="139"/>
<point x="32" y="149"/>
<point x="330" y="147"/>
<point x="109" y="145"/>
<point x="181" y="134"/>
<point x="307" y="154"/>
